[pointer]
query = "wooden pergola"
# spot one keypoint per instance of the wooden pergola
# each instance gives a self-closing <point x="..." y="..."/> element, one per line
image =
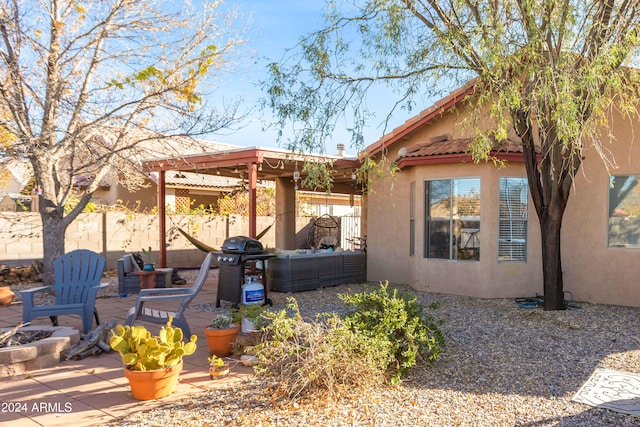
<point x="255" y="164"/>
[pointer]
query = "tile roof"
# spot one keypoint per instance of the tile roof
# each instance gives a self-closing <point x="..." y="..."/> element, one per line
<point x="190" y="179"/>
<point x="426" y="115"/>
<point x="157" y="148"/>
<point x="439" y="146"/>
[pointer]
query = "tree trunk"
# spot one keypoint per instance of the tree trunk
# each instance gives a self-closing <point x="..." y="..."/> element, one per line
<point x="550" y="190"/>
<point x="550" y="225"/>
<point x="53" y="231"/>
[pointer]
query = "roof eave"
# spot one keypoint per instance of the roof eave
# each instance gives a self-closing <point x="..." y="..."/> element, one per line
<point x="423" y="118"/>
<point x="406" y="162"/>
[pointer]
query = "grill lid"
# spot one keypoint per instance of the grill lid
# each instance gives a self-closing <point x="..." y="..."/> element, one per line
<point x="242" y="245"/>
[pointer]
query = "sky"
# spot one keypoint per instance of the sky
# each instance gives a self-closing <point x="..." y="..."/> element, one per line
<point x="275" y="26"/>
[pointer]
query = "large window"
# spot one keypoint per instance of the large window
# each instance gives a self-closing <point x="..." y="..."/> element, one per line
<point x="452" y="223"/>
<point x="513" y="215"/>
<point x="624" y="211"/>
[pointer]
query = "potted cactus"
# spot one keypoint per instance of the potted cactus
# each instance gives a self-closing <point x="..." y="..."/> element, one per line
<point x="152" y="363"/>
<point x="218" y="368"/>
<point x="221" y="334"/>
<point x="149" y="265"/>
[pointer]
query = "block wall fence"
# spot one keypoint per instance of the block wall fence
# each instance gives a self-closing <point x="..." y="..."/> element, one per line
<point x="113" y="234"/>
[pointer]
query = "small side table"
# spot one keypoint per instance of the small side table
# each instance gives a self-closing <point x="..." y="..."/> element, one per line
<point x="148" y="278"/>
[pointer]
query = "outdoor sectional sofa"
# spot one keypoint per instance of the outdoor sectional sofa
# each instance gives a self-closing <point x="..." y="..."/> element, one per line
<point x="294" y="272"/>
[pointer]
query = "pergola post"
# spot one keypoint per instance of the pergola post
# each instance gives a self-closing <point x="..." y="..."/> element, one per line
<point x="285" y="214"/>
<point x="162" y="214"/>
<point x="253" y="211"/>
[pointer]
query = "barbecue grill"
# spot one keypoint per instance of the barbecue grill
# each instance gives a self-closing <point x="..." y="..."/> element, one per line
<point x="241" y="256"/>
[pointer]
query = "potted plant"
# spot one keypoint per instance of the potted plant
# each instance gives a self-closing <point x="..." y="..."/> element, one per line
<point x="148" y="266"/>
<point x="218" y="368"/>
<point x="6" y="295"/>
<point x="221" y="334"/>
<point x="152" y="363"/>
<point x="250" y="316"/>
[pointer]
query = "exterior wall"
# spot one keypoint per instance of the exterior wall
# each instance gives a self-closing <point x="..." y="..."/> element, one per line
<point x="592" y="271"/>
<point x="205" y="200"/>
<point x="142" y="199"/>
<point x="388" y="238"/>
<point x="7" y="204"/>
<point x="114" y="233"/>
<point x="104" y="197"/>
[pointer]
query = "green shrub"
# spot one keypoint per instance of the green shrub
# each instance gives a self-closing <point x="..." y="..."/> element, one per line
<point x="381" y="337"/>
<point x="398" y="320"/>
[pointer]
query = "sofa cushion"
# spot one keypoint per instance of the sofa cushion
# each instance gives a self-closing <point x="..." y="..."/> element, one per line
<point x="130" y="264"/>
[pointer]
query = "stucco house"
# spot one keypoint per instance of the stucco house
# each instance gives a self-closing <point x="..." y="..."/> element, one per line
<point x="182" y="190"/>
<point x="445" y="224"/>
<point x="14" y="177"/>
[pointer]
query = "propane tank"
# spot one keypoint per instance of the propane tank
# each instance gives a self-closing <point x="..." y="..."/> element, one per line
<point x="253" y="291"/>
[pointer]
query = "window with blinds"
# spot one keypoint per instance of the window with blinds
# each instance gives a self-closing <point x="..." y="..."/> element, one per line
<point x="513" y="218"/>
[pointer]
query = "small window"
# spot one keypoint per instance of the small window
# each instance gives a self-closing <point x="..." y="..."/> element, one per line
<point x="452" y="222"/>
<point x="624" y="211"/>
<point x="513" y="218"/>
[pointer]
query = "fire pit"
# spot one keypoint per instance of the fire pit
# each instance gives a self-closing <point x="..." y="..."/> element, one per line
<point x="44" y="353"/>
<point x="26" y="337"/>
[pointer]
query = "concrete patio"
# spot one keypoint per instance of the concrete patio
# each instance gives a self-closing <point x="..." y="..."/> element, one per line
<point x="94" y="391"/>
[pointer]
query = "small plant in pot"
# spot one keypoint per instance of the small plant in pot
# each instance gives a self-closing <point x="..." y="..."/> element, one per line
<point x="148" y="265"/>
<point x="152" y="363"/>
<point x="221" y="334"/>
<point x="250" y="315"/>
<point x="218" y="368"/>
<point x="6" y="295"/>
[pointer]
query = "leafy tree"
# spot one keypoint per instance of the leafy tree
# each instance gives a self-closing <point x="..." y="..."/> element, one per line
<point x="84" y="85"/>
<point x="549" y="71"/>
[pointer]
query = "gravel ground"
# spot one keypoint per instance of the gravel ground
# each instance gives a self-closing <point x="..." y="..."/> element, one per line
<point x="503" y="366"/>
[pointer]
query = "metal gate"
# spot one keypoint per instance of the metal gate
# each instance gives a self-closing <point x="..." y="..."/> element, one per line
<point x="349" y="228"/>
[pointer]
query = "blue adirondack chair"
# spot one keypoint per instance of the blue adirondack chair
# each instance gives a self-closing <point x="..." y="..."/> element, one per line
<point x="77" y="281"/>
<point x="165" y="297"/>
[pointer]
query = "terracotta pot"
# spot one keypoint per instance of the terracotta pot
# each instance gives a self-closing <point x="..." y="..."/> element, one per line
<point x="6" y="295"/>
<point x="220" y="341"/>
<point x="149" y="385"/>
<point x="217" y="372"/>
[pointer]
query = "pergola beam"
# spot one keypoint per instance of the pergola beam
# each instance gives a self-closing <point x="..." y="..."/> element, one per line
<point x="260" y="163"/>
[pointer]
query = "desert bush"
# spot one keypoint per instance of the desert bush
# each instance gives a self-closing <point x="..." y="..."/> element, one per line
<point x="381" y="337"/>
<point x="398" y="319"/>
<point x="322" y="356"/>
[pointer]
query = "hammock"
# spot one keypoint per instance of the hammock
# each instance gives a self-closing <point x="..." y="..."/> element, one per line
<point x="197" y="243"/>
<point x="206" y="248"/>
